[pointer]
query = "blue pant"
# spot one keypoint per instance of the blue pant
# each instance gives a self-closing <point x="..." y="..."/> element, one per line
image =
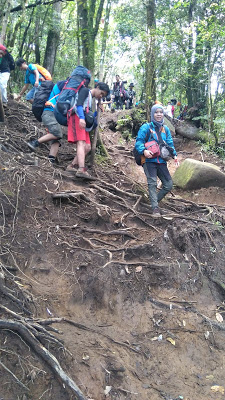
<point x="152" y="170"/>
<point x="30" y="95"/>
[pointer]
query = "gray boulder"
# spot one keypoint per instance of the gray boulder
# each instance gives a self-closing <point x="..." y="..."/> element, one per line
<point x="193" y="174"/>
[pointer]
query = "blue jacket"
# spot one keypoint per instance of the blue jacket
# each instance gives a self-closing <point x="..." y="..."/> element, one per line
<point x="144" y="132"/>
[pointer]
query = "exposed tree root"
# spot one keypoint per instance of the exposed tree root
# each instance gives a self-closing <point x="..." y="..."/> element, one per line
<point x="45" y="354"/>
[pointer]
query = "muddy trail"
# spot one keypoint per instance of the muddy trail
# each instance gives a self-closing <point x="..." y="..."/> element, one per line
<point x="99" y="300"/>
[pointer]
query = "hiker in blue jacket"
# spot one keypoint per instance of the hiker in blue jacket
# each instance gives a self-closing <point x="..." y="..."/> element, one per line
<point x="32" y="76"/>
<point x="156" y="166"/>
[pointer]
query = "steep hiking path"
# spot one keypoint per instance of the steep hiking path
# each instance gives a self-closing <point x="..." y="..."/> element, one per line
<point x="99" y="299"/>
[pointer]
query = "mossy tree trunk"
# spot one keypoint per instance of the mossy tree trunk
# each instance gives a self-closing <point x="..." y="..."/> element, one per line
<point x="150" y="56"/>
<point x="89" y="12"/>
<point x="53" y="37"/>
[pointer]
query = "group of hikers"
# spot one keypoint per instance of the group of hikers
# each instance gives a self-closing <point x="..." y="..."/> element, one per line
<point x="154" y="141"/>
<point x="123" y="98"/>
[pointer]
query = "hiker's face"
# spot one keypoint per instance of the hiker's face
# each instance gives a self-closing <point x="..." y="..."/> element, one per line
<point x="158" y="116"/>
<point x="100" y="93"/>
<point x="117" y="78"/>
<point x="23" y="66"/>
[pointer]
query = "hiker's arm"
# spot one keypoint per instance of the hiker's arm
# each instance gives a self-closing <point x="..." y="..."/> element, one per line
<point x="36" y="73"/>
<point x="23" y="90"/>
<point x="141" y="139"/>
<point x="82" y="95"/>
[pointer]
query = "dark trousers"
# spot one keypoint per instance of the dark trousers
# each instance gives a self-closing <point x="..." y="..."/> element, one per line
<point x="152" y="170"/>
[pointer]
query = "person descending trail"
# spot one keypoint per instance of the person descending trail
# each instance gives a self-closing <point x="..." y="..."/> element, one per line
<point x="79" y="127"/>
<point x="35" y="74"/>
<point x="155" y="165"/>
<point x="119" y="93"/>
<point x="6" y="66"/>
<point x="54" y="131"/>
<point x="130" y="97"/>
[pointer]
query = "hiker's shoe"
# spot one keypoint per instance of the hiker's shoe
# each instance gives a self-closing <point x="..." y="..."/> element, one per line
<point x="52" y="160"/>
<point x="83" y="173"/>
<point x="72" y="168"/>
<point x="156" y="212"/>
<point x="33" y="144"/>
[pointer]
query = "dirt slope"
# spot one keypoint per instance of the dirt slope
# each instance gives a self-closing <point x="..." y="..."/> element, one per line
<point x="127" y="304"/>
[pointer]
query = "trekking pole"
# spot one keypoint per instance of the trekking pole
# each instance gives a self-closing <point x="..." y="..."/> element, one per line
<point x="96" y="133"/>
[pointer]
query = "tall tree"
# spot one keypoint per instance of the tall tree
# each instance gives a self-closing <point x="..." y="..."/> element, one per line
<point x="150" y="85"/>
<point x="53" y="37"/>
<point x="89" y="13"/>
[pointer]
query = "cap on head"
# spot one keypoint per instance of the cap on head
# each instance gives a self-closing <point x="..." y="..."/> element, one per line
<point x="131" y="85"/>
<point x="20" y="61"/>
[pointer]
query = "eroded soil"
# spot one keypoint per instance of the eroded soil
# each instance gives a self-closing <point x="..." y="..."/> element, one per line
<point x="128" y="304"/>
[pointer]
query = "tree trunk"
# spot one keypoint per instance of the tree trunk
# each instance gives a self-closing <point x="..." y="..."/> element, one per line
<point x="53" y="37"/>
<point x="150" y="56"/>
<point x="4" y="20"/>
<point x="104" y="39"/>
<point x="89" y="24"/>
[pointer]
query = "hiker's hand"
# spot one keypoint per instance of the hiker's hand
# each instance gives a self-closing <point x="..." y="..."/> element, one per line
<point x="147" y="153"/>
<point x="36" y="84"/>
<point x="176" y="162"/>
<point x="101" y="107"/>
<point x="82" y="124"/>
<point x="18" y="98"/>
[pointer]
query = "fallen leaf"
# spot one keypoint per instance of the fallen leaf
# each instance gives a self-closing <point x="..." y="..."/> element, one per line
<point x="138" y="269"/>
<point x="217" y="388"/>
<point x="219" y="317"/>
<point x="209" y="377"/>
<point x="206" y="334"/>
<point x="107" y="390"/>
<point x="127" y="269"/>
<point x="85" y="357"/>
<point x="172" y="341"/>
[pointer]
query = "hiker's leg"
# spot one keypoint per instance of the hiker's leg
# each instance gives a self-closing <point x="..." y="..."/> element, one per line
<point x="54" y="149"/>
<point x="167" y="183"/>
<point x="87" y="149"/>
<point x="30" y="95"/>
<point x="81" y="153"/>
<point x="4" y="77"/>
<point x="150" y="170"/>
<point x="54" y="132"/>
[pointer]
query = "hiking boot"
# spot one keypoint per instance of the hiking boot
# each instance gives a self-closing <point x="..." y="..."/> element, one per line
<point x="156" y="212"/>
<point x="83" y="173"/>
<point x="33" y="144"/>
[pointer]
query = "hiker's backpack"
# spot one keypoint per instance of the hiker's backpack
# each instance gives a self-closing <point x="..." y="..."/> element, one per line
<point x="68" y="96"/>
<point x="41" y="96"/>
<point x="43" y="71"/>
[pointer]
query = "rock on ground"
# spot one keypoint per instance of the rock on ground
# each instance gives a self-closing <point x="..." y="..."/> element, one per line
<point x="193" y="174"/>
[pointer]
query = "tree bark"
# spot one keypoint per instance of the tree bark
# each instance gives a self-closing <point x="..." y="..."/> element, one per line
<point x="150" y="56"/>
<point x="89" y="23"/>
<point x="104" y="39"/>
<point x="53" y="37"/>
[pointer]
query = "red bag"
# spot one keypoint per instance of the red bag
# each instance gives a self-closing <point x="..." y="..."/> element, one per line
<point x="153" y="147"/>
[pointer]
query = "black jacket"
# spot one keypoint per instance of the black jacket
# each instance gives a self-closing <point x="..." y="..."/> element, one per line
<point x="7" y="63"/>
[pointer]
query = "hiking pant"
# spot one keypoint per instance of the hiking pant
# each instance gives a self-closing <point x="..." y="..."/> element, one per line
<point x="152" y="170"/>
<point x="119" y="103"/>
<point x="4" y="77"/>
